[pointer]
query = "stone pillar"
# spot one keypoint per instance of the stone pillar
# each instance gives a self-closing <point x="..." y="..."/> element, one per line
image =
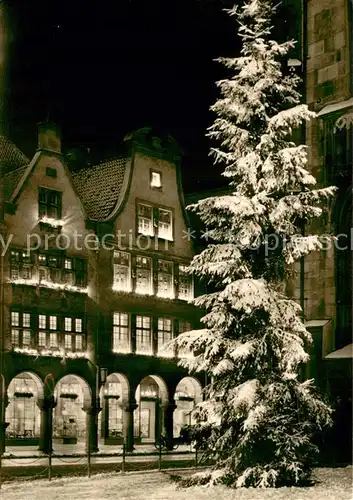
<point x="92" y="428"/>
<point x="167" y="423"/>
<point x="4" y="401"/>
<point x="46" y="424"/>
<point x="104" y="430"/>
<point x="128" y="419"/>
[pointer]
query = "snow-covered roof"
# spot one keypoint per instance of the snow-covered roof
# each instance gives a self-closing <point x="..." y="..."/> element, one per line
<point x="345" y="352"/>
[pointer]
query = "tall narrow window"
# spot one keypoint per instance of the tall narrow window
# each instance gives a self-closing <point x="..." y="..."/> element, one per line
<point x="21" y="335"/>
<point x="165" y="335"/>
<point x="165" y="279"/>
<point x="186" y="291"/>
<point x="143" y="275"/>
<point x="145" y="219"/>
<point x="122" y="272"/>
<point x="49" y="202"/>
<point x="121" y="332"/>
<point x="73" y="327"/>
<point x="156" y="179"/>
<point x="143" y="335"/>
<point x="165" y="226"/>
<point x="21" y="265"/>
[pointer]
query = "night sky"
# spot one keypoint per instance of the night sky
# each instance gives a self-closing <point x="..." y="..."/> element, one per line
<point x="103" y="69"/>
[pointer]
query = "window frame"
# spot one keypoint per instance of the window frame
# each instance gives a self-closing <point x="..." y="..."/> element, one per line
<point x="141" y="332"/>
<point x="117" y="334"/>
<point x="161" y="273"/>
<point x="138" y="268"/>
<point x="127" y="268"/>
<point x="46" y="207"/>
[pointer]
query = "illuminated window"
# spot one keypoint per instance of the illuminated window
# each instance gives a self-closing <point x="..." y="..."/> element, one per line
<point x="122" y="271"/>
<point x="165" y="333"/>
<point x="42" y="339"/>
<point x="165" y="279"/>
<point x="78" y="342"/>
<point x="156" y="179"/>
<point x="26" y="320"/>
<point x="20" y="265"/>
<point x="121" y="332"/>
<point x="78" y="325"/>
<point x="52" y="322"/>
<point x="143" y="335"/>
<point x="53" y="340"/>
<point x="49" y="202"/>
<point x="15" y="337"/>
<point x="68" y="264"/>
<point x="145" y="219"/>
<point x="165" y="227"/>
<point x="15" y="319"/>
<point x="68" y="341"/>
<point x="143" y="275"/>
<point x="42" y="321"/>
<point x="185" y="284"/>
<point x="26" y="338"/>
<point x="68" y="324"/>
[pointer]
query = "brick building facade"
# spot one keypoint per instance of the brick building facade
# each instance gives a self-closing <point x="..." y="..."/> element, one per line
<point x="87" y="311"/>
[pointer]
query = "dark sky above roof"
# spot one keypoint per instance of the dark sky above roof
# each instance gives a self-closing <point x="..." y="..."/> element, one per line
<point x="102" y="69"/>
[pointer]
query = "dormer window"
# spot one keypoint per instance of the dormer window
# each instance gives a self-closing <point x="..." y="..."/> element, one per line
<point x="49" y="203"/>
<point x="156" y="180"/>
<point x="155" y="221"/>
<point x="145" y="219"/>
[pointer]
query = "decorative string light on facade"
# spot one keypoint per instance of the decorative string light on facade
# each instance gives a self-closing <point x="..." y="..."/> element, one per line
<point x="49" y="284"/>
<point x="48" y="352"/>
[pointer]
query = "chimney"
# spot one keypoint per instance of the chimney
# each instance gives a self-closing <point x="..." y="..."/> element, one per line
<point x="49" y="137"/>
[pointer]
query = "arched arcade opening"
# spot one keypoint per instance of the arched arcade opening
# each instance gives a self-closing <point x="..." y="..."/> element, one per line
<point x="23" y="413"/>
<point x="187" y="395"/>
<point x="151" y="395"/>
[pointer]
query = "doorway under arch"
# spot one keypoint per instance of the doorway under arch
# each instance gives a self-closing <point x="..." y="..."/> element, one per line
<point x="72" y="394"/>
<point x="188" y="394"/>
<point x="114" y="396"/>
<point x="151" y="395"/>
<point x="22" y="412"/>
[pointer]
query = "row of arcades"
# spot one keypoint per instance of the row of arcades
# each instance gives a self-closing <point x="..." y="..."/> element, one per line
<point x="120" y="414"/>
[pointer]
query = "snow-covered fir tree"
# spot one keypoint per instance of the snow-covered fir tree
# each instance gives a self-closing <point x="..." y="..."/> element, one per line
<point x="258" y="416"/>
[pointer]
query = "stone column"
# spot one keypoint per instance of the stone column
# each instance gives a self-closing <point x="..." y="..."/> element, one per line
<point x="46" y="424"/>
<point x="4" y="401"/>
<point x="128" y="419"/>
<point x="104" y="430"/>
<point x="167" y="423"/>
<point x="92" y="428"/>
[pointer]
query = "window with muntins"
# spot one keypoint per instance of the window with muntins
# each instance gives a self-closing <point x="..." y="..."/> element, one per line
<point x="21" y="333"/>
<point x="143" y="335"/>
<point x="165" y="279"/>
<point x="165" y="334"/>
<point x="49" y="203"/>
<point x="48" y="331"/>
<point x="155" y="221"/>
<point x="73" y="334"/>
<point x="122" y="271"/>
<point x="186" y="291"/>
<point x="145" y="219"/>
<point x="165" y="226"/>
<point x="143" y="275"/>
<point x="121" y="332"/>
<point x="21" y="265"/>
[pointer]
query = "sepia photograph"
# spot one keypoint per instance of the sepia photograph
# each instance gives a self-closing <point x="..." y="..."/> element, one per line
<point x="176" y="248"/>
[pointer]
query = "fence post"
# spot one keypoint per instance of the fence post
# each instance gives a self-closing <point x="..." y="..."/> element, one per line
<point x="160" y="454"/>
<point x="89" y="460"/>
<point x="0" y="468"/>
<point x="49" y="465"/>
<point x="123" y="462"/>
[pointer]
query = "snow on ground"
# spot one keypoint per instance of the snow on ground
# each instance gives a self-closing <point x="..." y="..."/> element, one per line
<point x="333" y="484"/>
